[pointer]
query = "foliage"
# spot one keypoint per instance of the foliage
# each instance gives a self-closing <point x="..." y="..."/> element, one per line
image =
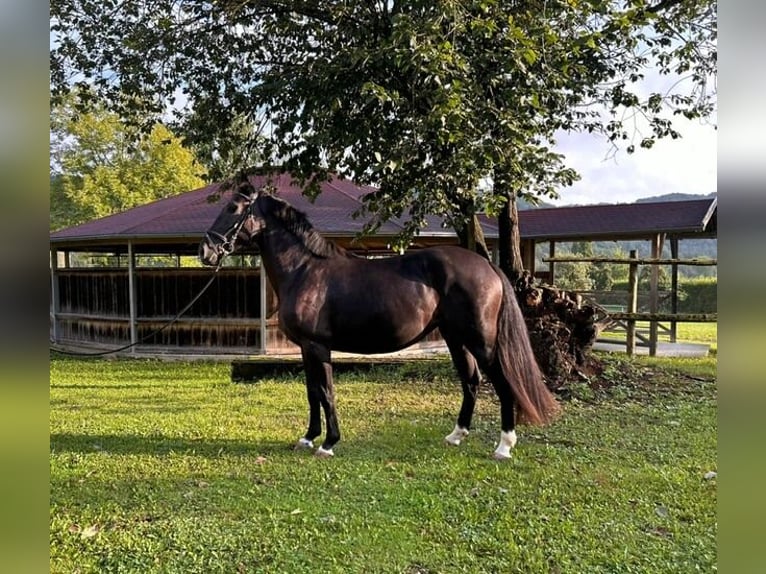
<point x="700" y="295"/>
<point x="424" y="99"/>
<point x="168" y="467"/>
<point x="696" y="294"/>
<point x="587" y="276"/>
<point x="102" y="166"/>
<point x="574" y="276"/>
<point x="645" y="277"/>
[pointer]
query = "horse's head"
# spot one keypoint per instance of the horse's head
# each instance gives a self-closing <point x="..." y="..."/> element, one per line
<point x="239" y="222"/>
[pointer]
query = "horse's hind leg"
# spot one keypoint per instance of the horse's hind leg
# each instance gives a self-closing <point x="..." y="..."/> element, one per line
<point x="469" y="379"/>
<point x="319" y="388"/>
<point x="507" y="411"/>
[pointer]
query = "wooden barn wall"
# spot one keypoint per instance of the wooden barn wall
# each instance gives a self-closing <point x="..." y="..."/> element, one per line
<point x="94" y="307"/>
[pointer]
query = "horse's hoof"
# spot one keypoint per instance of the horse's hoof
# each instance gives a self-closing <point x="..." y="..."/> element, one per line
<point x="456" y="436"/>
<point x="501" y="456"/>
<point x="324" y="453"/>
<point x="304" y="444"/>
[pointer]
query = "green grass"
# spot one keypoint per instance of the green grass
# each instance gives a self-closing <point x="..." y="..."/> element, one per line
<point x="698" y="332"/>
<point x="685" y="332"/>
<point x="169" y="467"/>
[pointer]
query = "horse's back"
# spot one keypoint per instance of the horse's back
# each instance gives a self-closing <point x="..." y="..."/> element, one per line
<point x="452" y="267"/>
<point x="383" y="305"/>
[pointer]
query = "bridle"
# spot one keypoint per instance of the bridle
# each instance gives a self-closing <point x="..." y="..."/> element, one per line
<point x="227" y="240"/>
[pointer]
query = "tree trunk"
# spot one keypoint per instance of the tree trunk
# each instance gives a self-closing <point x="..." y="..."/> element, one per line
<point x="471" y="236"/>
<point x="509" y="240"/>
<point x="561" y="328"/>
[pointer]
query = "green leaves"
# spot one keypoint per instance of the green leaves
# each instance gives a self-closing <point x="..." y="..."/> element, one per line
<point x="102" y="166"/>
<point x="424" y="99"/>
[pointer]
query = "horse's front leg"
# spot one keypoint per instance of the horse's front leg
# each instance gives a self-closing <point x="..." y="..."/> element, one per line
<point x="319" y="388"/>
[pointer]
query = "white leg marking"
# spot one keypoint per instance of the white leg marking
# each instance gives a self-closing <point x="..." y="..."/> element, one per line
<point x="304" y="443"/>
<point x="322" y="453"/>
<point x="507" y="442"/>
<point x="456" y="436"/>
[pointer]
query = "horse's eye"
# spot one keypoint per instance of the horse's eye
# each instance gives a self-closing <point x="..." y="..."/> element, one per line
<point x="232" y="208"/>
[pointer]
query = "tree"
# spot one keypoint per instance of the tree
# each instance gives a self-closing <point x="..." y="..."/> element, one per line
<point x="577" y="276"/>
<point x="100" y="166"/>
<point x="450" y="107"/>
<point x="423" y="99"/>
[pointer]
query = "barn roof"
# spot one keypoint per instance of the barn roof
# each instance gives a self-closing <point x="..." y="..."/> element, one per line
<point x="687" y="218"/>
<point x="185" y="218"/>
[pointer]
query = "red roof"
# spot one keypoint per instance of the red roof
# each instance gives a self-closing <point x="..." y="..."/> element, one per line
<point x="687" y="218"/>
<point x="189" y="215"/>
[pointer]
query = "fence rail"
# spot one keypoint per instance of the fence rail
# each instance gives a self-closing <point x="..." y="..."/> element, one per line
<point x="627" y="315"/>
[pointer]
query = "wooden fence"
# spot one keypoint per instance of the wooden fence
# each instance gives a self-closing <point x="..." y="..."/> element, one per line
<point x="628" y="317"/>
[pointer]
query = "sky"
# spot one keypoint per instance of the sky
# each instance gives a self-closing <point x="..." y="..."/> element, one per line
<point x="684" y="165"/>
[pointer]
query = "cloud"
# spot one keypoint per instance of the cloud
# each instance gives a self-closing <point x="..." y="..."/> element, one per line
<point x="685" y="165"/>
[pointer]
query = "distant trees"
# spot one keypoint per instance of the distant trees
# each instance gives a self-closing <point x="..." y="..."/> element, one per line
<point x="100" y="165"/>
<point x="590" y="276"/>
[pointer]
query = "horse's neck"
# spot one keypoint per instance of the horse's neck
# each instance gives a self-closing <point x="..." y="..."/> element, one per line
<point x="283" y="256"/>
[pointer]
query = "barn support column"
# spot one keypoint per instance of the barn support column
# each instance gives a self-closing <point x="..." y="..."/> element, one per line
<point x="654" y="299"/>
<point x="55" y="303"/>
<point x="132" y="296"/>
<point x="528" y="255"/>
<point x="551" y="264"/>
<point x="264" y="304"/>
<point x="630" y="335"/>
<point x="674" y="288"/>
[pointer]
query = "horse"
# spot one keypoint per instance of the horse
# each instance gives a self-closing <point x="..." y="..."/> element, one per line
<point x="333" y="300"/>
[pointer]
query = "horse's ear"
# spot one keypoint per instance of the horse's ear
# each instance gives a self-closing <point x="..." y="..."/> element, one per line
<point x="269" y="189"/>
<point x="246" y="188"/>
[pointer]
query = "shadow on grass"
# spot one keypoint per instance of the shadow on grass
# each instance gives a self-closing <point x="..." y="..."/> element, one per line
<point x="161" y="445"/>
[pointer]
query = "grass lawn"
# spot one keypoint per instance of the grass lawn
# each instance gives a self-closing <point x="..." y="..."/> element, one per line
<point x="169" y="467"/>
<point x="685" y="332"/>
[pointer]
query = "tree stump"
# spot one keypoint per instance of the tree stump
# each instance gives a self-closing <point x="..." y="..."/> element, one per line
<point x="562" y="330"/>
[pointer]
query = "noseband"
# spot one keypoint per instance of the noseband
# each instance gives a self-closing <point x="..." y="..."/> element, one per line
<point x="227" y="240"/>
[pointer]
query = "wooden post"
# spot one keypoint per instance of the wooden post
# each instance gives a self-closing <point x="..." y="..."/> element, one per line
<point x="630" y="345"/>
<point x="264" y="303"/>
<point x="674" y="289"/>
<point x="132" y="296"/>
<point x="654" y="300"/>
<point x="528" y="253"/>
<point x="55" y="303"/>
<point x="551" y="264"/>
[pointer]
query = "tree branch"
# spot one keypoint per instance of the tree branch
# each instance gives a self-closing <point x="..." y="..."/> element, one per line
<point x="663" y="5"/>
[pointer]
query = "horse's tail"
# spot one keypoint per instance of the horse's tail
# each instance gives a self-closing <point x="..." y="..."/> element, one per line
<point x="513" y="352"/>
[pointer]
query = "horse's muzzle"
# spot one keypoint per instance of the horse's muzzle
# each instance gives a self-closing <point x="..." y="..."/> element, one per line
<point x="208" y="252"/>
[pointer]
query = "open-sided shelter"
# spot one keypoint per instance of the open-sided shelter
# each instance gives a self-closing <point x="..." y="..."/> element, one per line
<point x="119" y="279"/>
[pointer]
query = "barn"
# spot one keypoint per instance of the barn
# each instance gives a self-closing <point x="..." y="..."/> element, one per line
<point x="122" y="280"/>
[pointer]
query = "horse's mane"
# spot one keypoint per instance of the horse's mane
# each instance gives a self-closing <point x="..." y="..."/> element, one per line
<point x="297" y="223"/>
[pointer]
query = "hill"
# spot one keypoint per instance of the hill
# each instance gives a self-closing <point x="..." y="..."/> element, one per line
<point x="688" y="248"/>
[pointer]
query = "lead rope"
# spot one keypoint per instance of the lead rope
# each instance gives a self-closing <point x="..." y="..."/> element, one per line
<point x="153" y="333"/>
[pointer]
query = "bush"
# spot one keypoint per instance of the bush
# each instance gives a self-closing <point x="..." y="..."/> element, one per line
<point x="695" y="294"/>
<point x="701" y="295"/>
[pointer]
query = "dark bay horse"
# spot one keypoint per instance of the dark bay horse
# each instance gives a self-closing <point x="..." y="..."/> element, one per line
<point x="330" y="299"/>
